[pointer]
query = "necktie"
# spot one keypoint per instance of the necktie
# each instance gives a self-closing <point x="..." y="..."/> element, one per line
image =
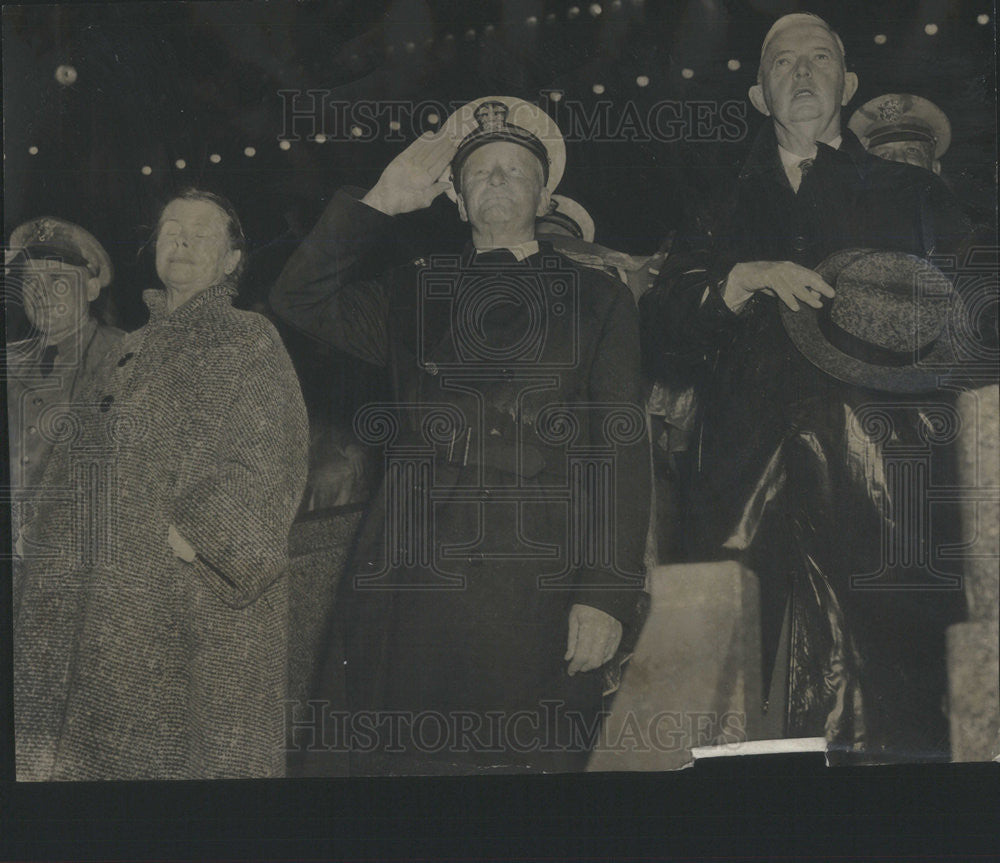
<point x="805" y="166"/>
<point x="48" y="360"/>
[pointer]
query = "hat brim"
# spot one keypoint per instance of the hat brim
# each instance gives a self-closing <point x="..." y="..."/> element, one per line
<point x="462" y="122"/>
<point x="575" y="211"/>
<point x="803" y="328"/>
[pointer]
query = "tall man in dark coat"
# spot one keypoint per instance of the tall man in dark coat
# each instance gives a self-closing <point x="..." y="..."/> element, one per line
<point x="771" y="447"/>
<point x="501" y="560"/>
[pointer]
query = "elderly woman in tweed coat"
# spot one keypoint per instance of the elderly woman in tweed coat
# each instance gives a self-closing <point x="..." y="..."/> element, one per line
<point x="150" y="630"/>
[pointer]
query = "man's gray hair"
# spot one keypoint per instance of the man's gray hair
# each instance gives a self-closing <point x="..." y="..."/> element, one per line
<point x="786" y="21"/>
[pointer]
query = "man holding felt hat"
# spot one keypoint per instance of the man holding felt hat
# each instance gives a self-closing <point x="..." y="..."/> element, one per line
<point x="790" y="475"/>
<point x="59" y="270"/>
<point x="477" y="629"/>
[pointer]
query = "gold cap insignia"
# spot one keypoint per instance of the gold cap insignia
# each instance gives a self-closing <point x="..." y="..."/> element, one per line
<point x="890" y="110"/>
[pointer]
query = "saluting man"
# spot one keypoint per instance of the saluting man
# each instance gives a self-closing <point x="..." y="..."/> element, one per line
<point x="501" y="561"/>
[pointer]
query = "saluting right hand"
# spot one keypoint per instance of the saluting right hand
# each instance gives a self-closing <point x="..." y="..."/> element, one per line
<point x="783" y="279"/>
<point x="410" y="181"/>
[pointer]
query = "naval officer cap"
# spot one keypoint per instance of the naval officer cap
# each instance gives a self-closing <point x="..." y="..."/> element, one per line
<point x="505" y="118"/>
<point x="569" y="215"/>
<point x="51" y="239"/>
<point x="901" y="117"/>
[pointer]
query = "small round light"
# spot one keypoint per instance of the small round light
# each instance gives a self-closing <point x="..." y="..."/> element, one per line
<point x="616" y="4"/>
<point x="449" y="37"/>
<point x="319" y="138"/>
<point x="66" y="75"/>
<point x="32" y="150"/>
<point x="146" y="170"/>
<point x="285" y="145"/>
<point x="931" y="29"/>
<point x="573" y="11"/>
<point x="642" y="80"/>
<point x="531" y="20"/>
<point x="550" y="17"/>
<point x="598" y="89"/>
<point x="356" y="131"/>
<point x="488" y="29"/>
<point x="595" y="9"/>
<point x="687" y="73"/>
<point x="394" y="125"/>
<point x="410" y="47"/>
<point x="983" y="19"/>
<point x="180" y="164"/>
<point x="555" y="96"/>
<point x="215" y="158"/>
<point x="470" y="34"/>
<point x="433" y="118"/>
<point x="249" y="152"/>
<point x="733" y="65"/>
<point x="881" y="39"/>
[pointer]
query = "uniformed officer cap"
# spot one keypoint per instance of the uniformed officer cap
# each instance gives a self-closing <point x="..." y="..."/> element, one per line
<point x="52" y="239"/>
<point x="571" y="215"/>
<point x="505" y="118"/>
<point x="901" y="117"/>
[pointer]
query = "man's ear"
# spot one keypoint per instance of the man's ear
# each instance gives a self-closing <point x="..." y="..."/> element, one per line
<point x="850" y="87"/>
<point x="232" y="259"/>
<point x="93" y="288"/>
<point x="462" y="212"/>
<point x="756" y="94"/>
<point x="544" y="202"/>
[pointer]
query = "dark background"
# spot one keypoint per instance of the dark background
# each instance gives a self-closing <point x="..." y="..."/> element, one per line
<point x="160" y="82"/>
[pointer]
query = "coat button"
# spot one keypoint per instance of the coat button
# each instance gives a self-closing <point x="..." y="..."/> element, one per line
<point x="431" y="368"/>
<point x="125" y="359"/>
<point x="800" y="243"/>
<point x="106" y="403"/>
<point x="32" y="430"/>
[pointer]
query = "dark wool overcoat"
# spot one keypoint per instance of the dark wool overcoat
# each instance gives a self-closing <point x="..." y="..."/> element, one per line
<point x="129" y="662"/>
<point x="517" y="484"/>
<point x="779" y="480"/>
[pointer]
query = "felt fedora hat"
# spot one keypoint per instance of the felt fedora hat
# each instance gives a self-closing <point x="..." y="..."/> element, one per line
<point x="891" y="326"/>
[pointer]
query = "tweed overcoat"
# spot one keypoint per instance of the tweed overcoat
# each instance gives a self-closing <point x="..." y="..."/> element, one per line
<point x="129" y="662"/>
<point x="507" y="378"/>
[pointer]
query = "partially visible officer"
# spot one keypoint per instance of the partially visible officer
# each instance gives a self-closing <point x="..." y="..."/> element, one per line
<point x="59" y="270"/>
<point x="901" y="127"/>
<point x="904" y="128"/>
<point x="571" y="230"/>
